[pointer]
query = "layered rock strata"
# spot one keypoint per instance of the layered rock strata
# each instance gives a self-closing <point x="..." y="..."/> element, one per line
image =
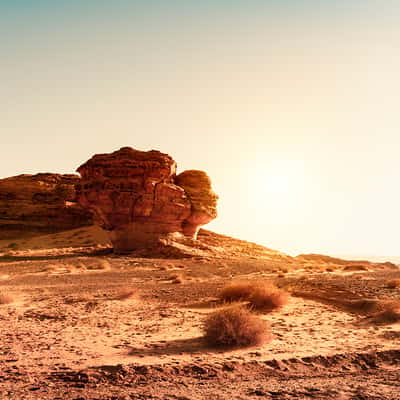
<point x="137" y="196"/>
<point x="39" y="204"/>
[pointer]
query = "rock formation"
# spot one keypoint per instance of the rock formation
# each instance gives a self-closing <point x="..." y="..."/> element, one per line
<point x="197" y="186"/>
<point x="39" y="204"/>
<point x="137" y="196"/>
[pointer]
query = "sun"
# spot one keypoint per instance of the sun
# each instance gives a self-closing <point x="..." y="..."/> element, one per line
<point x="280" y="178"/>
<point x="278" y="184"/>
<point x="280" y="189"/>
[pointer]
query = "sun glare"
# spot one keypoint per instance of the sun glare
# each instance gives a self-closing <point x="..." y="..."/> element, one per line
<point x="278" y="184"/>
<point x="279" y="189"/>
<point x="281" y="178"/>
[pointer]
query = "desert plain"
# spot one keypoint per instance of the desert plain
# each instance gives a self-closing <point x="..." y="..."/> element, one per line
<point x="80" y="322"/>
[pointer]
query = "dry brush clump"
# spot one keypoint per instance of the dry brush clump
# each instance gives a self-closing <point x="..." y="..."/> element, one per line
<point x="268" y="298"/>
<point x="236" y="291"/>
<point x="261" y="296"/>
<point x="235" y="326"/>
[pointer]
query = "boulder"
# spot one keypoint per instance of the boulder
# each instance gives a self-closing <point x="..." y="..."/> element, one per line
<point x="137" y="196"/>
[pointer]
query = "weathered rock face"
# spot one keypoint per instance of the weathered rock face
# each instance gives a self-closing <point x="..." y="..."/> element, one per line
<point x="39" y="204"/>
<point x="136" y="196"/>
<point x="197" y="186"/>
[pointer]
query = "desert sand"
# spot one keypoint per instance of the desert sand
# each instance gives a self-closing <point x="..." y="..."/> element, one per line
<point x="79" y="322"/>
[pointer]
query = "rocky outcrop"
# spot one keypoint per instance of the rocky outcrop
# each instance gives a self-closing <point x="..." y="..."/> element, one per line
<point x="39" y="204"/>
<point x="137" y="196"/>
<point x="197" y="186"/>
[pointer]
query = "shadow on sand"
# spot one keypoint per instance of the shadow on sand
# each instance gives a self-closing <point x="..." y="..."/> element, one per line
<point x="177" y="347"/>
<point x="88" y="253"/>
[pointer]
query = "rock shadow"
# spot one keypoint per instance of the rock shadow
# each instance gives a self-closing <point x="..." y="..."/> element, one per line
<point x="89" y="253"/>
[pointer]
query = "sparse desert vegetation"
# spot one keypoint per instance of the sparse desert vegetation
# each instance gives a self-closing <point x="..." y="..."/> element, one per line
<point x="236" y="291"/>
<point x="261" y="296"/>
<point x="267" y="297"/>
<point x="235" y="326"/>
<point x="119" y="319"/>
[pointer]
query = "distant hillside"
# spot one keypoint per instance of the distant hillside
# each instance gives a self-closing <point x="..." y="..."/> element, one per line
<point x="210" y="245"/>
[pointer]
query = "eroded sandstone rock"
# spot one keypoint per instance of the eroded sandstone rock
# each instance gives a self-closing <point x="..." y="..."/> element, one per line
<point x="39" y="204"/>
<point x="197" y="186"/>
<point x="137" y="196"/>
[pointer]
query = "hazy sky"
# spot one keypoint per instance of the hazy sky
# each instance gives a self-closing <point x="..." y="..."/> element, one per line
<point x="292" y="107"/>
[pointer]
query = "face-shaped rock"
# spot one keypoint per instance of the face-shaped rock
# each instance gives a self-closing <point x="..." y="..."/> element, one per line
<point x="197" y="186"/>
<point x="136" y="196"/>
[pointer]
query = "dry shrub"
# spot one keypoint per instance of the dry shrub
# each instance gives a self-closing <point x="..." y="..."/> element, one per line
<point x="235" y="326"/>
<point x="5" y="299"/>
<point x="236" y="291"/>
<point x="261" y="296"/>
<point x="393" y="284"/>
<point x="268" y="297"/>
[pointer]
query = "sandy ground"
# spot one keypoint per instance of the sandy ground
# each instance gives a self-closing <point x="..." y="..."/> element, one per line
<point x="86" y="326"/>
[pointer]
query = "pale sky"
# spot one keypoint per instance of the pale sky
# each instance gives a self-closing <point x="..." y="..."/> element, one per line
<point x="292" y="107"/>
